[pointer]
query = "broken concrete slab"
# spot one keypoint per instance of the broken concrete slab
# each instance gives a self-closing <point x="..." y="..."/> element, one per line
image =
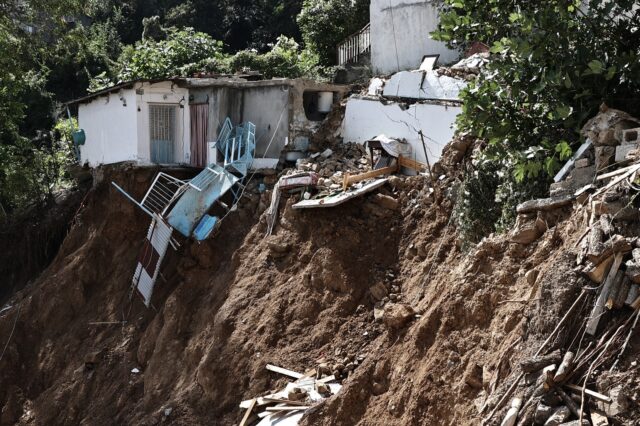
<point x="544" y="204"/>
<point x="423" y="85"/>
<point x="525" y="233"/>
<point x="340" y="198"/>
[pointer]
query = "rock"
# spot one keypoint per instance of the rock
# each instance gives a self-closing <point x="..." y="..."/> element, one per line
<point x="393" y="297"/>
<point x="619" y="209"/>
<point x="279" y="248"/>
<point x="633" y="271"/>
<point x="544" y="204"/>
<point x="525" y="232"/>
<point x="604" y="156"/>
<point x="619" y="404"/>
<point x="378" y="291"/>
<point x="327" y="153"/>
<point x="168" y="411"/>
<point x="397" y="315"/>
<point x="473" y="375"/>
<point x="542" y="414"/>
<point x="531" y="276"/>
<point x="386" y="202"/>
<point x="378" y="389"/>
<point x="583" y="162"/>
<point x="323" y="389"/>
<point x="378" y="314"/>
<point x="599" y="419"/>
<point x="559" y="416"/>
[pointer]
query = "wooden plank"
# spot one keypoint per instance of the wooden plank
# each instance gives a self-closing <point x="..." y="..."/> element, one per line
<point x="350" y="180"/>
<point x="598" y="308"/>
<point x="594" y="394"/>
<point x="412" y="164"/>
<point x="617" y="180"/>
<point x="247" y="413"/>
<point x="616" y="172"/>
<point x="327" y="379"/>
<point x="284" y="371"/>
<point x="287" y="408"/>
<point x="285" y="401"/>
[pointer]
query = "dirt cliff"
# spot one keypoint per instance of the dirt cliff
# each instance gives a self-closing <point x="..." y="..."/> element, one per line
<point x="80" y="350"/>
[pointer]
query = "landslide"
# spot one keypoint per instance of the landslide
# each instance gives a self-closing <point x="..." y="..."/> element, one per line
<point x="225" y="308"/>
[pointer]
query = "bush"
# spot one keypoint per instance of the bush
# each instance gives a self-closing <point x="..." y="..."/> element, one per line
<point x="553" y="65"/>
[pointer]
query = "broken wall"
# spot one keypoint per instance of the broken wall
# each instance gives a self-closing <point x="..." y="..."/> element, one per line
<point x="365" y="119"/>
<point x="400" y="35"/>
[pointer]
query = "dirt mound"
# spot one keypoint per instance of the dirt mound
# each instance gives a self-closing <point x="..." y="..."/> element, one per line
<point x="316" y="291"/>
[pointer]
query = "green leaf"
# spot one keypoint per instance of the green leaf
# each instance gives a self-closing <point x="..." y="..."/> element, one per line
<point x="596" y="67"/>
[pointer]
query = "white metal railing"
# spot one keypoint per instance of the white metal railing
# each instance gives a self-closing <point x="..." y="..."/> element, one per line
<point x="354" y="46"/>
<point x="163" y="192"/>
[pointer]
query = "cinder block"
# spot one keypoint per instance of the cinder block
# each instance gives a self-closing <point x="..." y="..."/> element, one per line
<point x="623" y="150"/>
<point x="631" y="135"/>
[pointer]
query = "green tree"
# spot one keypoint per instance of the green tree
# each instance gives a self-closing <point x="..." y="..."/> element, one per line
<point x="325" y="23"/>
<point x="183" y="53"/>
<point x="553" y="63"/>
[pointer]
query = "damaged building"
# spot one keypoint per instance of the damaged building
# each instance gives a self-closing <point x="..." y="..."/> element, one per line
<point x="176" y="121"/>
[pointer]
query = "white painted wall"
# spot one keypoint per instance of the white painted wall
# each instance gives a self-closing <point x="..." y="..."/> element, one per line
<point x="110" y="127"/>
<point x="117" y="133"/>
<point x="402" y="27"/>
<point x="365" y="119"/>
<point x="163" y="93"/>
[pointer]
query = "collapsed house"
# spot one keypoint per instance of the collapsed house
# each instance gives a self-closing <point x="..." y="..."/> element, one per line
<point x="176" y="121"/>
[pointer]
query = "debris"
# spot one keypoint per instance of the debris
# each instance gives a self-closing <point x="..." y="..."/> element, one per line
<point x="598" y="419"/>
<point x="284" y="371"/>
<point x="531" y="276"/>
<point x="544" y="204"/>
<point x="512" y="414"/>
<point x="327" y="153"/>
<point x="397" y="315"/>
<point x="135" y="370"/>
<point x="569" y="165"/>
<point x="596" y="313"/>
<point x="559" y="416"/>
<point x="542" y="413"/>
<point x="565" y="367"/>
<point x="537" y="363"/>
<point x="386" y="202"/>
<point x="378" y="291"/>
<point x="596" y="395"/>
<point x="340" y="198"/>
<point x="619" y="402"/>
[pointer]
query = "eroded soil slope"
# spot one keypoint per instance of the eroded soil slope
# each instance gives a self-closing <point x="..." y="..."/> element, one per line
<point x="227" y="307"/>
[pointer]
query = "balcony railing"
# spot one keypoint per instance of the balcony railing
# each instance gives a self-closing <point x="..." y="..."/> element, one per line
<point x="356" y="45"/>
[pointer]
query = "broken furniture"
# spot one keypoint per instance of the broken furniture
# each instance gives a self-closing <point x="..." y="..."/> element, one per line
<point x="182" y="205"/>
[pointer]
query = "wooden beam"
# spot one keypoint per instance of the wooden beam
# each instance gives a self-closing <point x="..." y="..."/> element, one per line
<point x="327" y="379"/>
<point x="284" y="371"/>
<point x="285" y="401"/>
<point x="247" y="413"/>
<point x="594" y="394"/>
<point x="412" y="164"/>
<point x="598" y="308"/>
<point x="350" y="180"/>
<point x="287" y="408"/>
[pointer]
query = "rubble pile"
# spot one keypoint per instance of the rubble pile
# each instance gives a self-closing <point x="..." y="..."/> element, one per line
<point x="467" y="68"/>
<point x="572" y="384"/>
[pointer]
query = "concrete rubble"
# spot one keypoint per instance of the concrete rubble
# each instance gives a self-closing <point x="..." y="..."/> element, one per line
<point x="570" y="386"/>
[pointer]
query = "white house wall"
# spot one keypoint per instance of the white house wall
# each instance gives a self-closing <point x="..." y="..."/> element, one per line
<point x="423" y="85"/>
<point x="365" y="119"/>
<point x="110" y="128"/>
<point x="400" y="35"/>
<point x="163" y="93"/>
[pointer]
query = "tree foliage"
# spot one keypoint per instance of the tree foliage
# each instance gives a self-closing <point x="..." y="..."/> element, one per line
<point x="554" y="63"/>
<point x="325" y="23"/>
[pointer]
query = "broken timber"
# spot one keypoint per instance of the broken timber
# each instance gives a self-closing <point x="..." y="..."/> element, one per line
<point x="598" y="309"/>
<point x="350" y="180"/>
<point x="284" y="371"/>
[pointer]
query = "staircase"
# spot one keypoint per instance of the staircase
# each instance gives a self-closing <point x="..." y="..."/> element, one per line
<point x="354" y="57"/>
<point x="355" y="46"/>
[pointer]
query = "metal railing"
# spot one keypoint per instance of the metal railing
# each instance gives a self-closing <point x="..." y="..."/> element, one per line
<point x="354" y="46"/>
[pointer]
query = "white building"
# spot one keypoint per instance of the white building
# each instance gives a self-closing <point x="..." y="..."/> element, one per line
<point x="175" y="121"/>
<point x="400" y="35"/>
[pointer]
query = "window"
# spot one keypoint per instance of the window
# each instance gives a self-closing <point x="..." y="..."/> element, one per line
<point x="162" y="133"/>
